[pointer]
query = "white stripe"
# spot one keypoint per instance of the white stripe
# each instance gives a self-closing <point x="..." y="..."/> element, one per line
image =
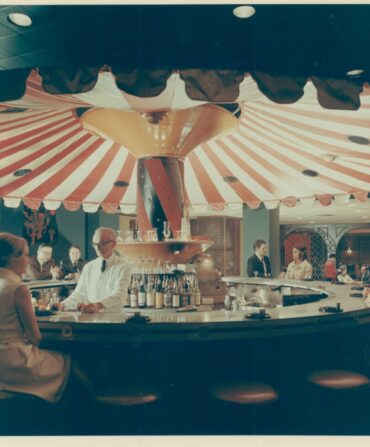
<point x="105" y="185"/>
<point x="192" y="185"/>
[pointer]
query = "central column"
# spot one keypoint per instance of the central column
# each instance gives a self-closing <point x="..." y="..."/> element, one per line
<point x="160" y="194"/>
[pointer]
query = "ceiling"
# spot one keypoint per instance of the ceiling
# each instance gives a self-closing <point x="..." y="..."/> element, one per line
<point x="326" y="40"/>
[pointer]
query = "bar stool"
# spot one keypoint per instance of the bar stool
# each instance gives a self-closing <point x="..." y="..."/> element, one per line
<point x="25" y="414"/>
<point x="128" y="409"/>
<point x="247" y="407"/>
<point x="339" y="401"/>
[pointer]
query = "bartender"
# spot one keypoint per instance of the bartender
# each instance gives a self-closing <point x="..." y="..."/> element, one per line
<point x="104" y="281"/>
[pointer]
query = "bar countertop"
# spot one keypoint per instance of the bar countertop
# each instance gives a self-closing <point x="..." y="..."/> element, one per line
<point x="214" y="324"/>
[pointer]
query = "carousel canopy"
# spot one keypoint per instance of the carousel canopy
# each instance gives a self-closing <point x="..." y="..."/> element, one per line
<point x="296" y="76"/>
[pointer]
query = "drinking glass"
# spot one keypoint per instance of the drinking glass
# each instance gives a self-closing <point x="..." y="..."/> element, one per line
<point x="119" y="237"/>
<point x="139" y="235"/>
<point x="255" y="273"/>
<point x="166" y="230"/>
<point x="154" y="235"/>
<point x="129" y="235"/>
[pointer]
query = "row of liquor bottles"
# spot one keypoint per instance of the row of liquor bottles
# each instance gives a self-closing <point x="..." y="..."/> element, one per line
<point x="163" y="291"/>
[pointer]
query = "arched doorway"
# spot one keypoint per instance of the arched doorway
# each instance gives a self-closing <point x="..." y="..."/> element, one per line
<point x="354" y="250"/>
<point x="317" y="252"/>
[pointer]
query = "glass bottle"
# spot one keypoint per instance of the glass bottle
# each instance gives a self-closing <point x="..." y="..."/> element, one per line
<point x="141" y="298"/>
<point x="134" y="295"/>
<point x="150" y="293"/>
<point x="167" y="299"/>
<point x="159" y="295"/>
<point x="175" y="295"/>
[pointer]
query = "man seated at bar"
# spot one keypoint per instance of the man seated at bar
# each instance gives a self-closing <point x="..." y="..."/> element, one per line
<point x="42" y="266"/>
<point x="259" y="263"/>
<point x="330" y="268"/>
<point x="104" y="281"/>
<point x="72" y="267"/>
<point x="364" y="274"/>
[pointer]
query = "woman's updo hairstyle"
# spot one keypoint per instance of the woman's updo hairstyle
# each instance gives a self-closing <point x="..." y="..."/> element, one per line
<point x="302" y="252"/>
<point x="11" y="247"/>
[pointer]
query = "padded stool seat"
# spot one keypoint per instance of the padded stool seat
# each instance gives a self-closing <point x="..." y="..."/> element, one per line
<point x="338" y="379"/>
<point x="4" y="395"/>
<point x="128" y="395"/>
<point x="245" y="392"/>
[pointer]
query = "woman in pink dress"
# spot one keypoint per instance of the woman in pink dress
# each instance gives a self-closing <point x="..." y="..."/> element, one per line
<point x="24" y="368"/>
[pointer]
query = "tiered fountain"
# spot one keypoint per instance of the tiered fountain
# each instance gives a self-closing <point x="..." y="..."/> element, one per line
<point x="160" y="140"/>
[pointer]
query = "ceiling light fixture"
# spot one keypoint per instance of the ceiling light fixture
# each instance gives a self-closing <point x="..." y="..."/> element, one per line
<point x="230" y="179"/>
<point x="19" y="19"/>
<point x="310" y="173"/>
<point x="358" y="140"/>
<point x="355" y="72"/>
<point x="120" y="183"/>
<point x="244" y="12"/>
<point x="349" y="251"/>
<point x="21" y="172"/>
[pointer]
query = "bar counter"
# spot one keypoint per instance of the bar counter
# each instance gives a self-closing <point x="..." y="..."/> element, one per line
<point x="214" y="324"/>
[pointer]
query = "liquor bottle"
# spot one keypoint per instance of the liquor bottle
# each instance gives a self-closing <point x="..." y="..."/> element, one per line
<point x="197" y="295"/>
<point x="175" y="295"/>
<point x="167" y="295"/>
<point x="150" y="293"/>
<point x="159" y="295"/>
<point x="134" y="295"/>
<point x="126" y="297"/>
<point x="184" y="301"/>
<point x="141" y="294"/>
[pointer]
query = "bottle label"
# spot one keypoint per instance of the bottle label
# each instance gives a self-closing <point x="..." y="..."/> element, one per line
<point x="168" y="300"/>
<point x="184" y="300"/>
<point x="175" y="300"/>
<point x="141" y="299"/>
<point x="150" y="300"/>
<point x="126" y="301"/>
<point x="133" y="300"/>
<point x="159" y="300"/>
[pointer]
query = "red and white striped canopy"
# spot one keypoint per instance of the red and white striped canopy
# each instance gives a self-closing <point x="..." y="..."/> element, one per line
<point x="266" y="155"/>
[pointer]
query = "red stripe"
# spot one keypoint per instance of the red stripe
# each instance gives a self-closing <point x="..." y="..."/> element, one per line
<point x="207" y="186"/>
<point x="166" y="194"/>
<point x="243" y="192"/>
<point x="90" y="182"/>
<point x="116" y="195"/>
<point x="319" y="114"/>
<point x="61" y="174"/>
<point x="37" y="154"/>
<point x="32" y="121"/>
<point x="22" y="136"/>
<point x="27" y="116"/>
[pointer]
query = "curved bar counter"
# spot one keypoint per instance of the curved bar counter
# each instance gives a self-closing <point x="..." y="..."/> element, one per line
<point x="221" y="324"/>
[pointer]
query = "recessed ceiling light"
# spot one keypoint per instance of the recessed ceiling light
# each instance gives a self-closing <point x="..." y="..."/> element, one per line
<point x="19" y="19"/>
<point x="120" y="183"/>
<point x="365" y="217"/>
<point x="358" y="140"/>
<point x="311" y="221"/>
<point x="244" y="12"/>
<point x="310" y="173"/>
<point x="21" y="172"/>
<point x="328" y="157"/>
<point x="230" y="179"/>
<point x="355" y="72"/>
<point x="299" y="218"/>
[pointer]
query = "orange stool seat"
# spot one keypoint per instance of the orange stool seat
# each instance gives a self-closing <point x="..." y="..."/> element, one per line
<point x="245" y="392"/>
<point x="338" y="379"/>
<point x="128" y="395"/>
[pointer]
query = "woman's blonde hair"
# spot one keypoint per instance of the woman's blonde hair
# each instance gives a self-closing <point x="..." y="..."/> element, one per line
<point x="11" y="247"/>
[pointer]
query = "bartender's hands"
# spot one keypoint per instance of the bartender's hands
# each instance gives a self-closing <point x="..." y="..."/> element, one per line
<point x="89" y="308"/>
<point x="282" y="275"/>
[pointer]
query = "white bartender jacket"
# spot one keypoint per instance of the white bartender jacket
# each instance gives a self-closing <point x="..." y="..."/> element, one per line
<point x="108" y="287"/>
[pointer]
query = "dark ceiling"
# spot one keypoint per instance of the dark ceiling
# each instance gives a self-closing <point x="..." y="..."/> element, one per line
<point x="323" y="40"/>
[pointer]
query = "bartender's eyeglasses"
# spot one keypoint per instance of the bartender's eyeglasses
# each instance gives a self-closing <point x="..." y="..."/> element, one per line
<point x="100" y="244"/>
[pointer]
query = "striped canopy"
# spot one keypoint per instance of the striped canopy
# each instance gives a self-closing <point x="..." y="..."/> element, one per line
<point x="47" y="157"/>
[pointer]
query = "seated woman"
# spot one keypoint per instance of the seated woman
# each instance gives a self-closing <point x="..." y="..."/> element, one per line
<point x="299" y="268"/>
<point x="24" y="368"/>
<point x="343" y="277"/>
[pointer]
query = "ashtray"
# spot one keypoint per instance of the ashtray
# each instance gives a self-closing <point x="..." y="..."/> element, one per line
<point x="330" y="309"/>
<point x="137" y="318"/>
<point x="357" y="288"/>
<point x="258" y="316"/>
<point x="356" y="295"/>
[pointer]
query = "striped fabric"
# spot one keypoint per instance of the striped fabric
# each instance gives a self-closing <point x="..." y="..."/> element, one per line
<point x="266" y="155"/>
